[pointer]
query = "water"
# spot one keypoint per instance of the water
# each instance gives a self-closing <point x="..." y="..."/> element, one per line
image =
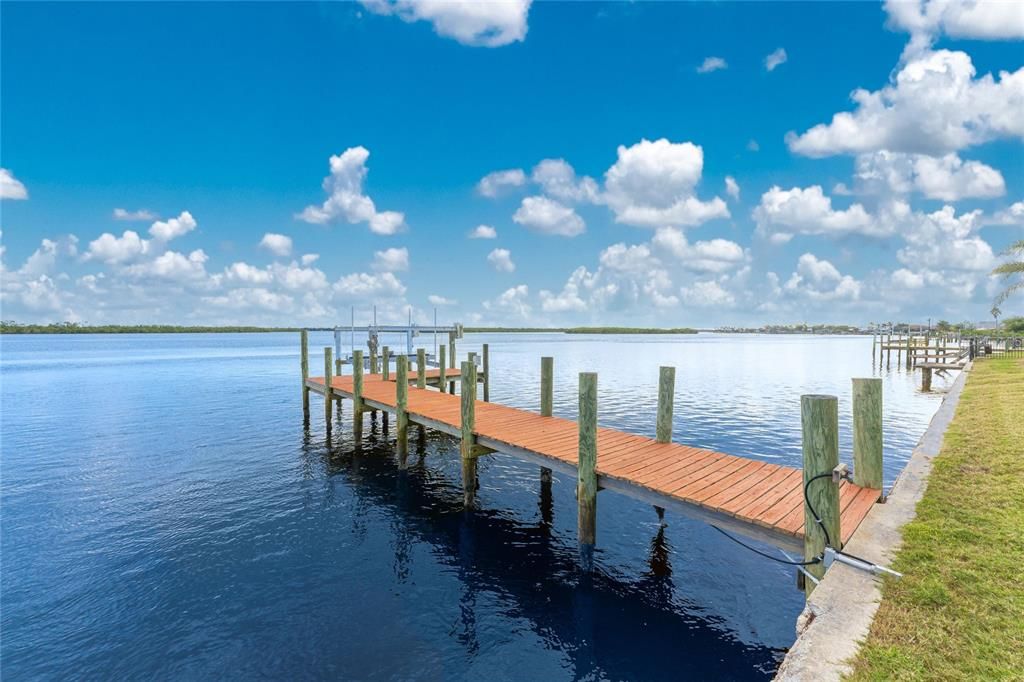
<point x="166" y="515"/>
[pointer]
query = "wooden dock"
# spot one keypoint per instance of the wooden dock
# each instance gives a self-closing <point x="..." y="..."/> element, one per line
<point x="758" y="499"/>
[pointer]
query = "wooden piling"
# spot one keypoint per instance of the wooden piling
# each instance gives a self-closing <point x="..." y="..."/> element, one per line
<point x="451" y="359"/>
<point x="385" y="363"/>
<point x="819" y="418"/>
<point x="357" y="384"/>
<point x="909" y="362"/>
<point x="586" y="485"/>
<point x="421" y="368"/>
<point x="547" y="385"/>
<point x="666" y="396"/>
<point x="373" y="361"/>
<point x="304" y="362"/>
<point x="402" y="403"/>
<point x="328" y="398"/>
<point x="442" y="358"/>
<point x="466" y="446"/>
<point x="926" y="379"/>
<point x="867" y="433"/>
<point x="487" y="374"/>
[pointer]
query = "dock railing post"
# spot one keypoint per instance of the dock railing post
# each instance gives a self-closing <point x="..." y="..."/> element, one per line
<point x="547" y="389"/>
<point x="442" y="373"/>
<point x="304" y="362"/>
<point x="385" y="362"/>
<point x="328" y="401"/>
<point x="666" y="396"/>
<point x="451" y="360"/>
<point x="487" y="373"/>
<point x="819" y="418"/>
<point x="357" y="383"/>
<point x="586" y="485"/>
<point x="468" y="442"/>
<point x="421" y="368"/>
<point x="867" y="433"/>
<point x="402" y="404"/>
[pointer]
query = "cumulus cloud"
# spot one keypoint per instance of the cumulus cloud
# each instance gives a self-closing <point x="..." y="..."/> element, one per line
<point x="1011" y="215"/>
<point x="934" y="106"/>
<point x="714" y="256"/>
<point x="818" y="280"/>
<point x="712" y="64"/>
<point x="775" y="59"/>
<point x="783" y="213"/>
<point x="925" y="20"/>
<point x="653" y="184"/>
<point x="139" y="215"/>
<point x="707" y="294"/>
<point x="944" y="241"/>
<point x="513" y="302"/>
<point x="501" y="260"/>
<point x="277" y="244"/>
<point x="113" y="250"/>
<point x="732" y="188"/>
<point x="166" y="230"/>
<point x="10" y="186"/>
<point x="437" y="300"/>
<point x="391" y="260"/>
<point x="753" y="146"/>
<point x="948" y="177"/>
<point x="344" y="187"/>
<point x="173" y="266"/>
<point x="493" y="184"/>
<point x="310" y="258"/>
<point x="483" y="232"/>
<point x="478" y="24"/>
<point x="558" y="179"/>
<point x="364" y="286"/>
<point x="548" y="216"/>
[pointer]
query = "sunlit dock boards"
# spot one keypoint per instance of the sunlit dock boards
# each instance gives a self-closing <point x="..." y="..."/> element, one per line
<point x="758" y="499"/>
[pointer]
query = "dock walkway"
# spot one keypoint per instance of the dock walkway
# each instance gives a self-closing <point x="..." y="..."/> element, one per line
<point x="758" y="499"/>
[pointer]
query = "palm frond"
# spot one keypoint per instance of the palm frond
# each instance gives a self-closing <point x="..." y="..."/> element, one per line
<point x="1009" y="290"/>
<point x="1007" y="269"/>
<point x="1016" y="247"/>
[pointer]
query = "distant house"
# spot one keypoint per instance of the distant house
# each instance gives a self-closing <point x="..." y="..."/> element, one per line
<point x="986" y="325"/>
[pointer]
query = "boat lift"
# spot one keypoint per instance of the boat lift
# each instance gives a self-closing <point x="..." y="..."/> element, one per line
<point x="374" y="331"/>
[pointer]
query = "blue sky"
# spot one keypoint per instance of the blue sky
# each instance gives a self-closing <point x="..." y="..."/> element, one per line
<point x="615" y="126"/>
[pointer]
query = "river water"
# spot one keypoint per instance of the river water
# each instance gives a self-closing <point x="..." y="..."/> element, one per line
<point x="165" y="514"/>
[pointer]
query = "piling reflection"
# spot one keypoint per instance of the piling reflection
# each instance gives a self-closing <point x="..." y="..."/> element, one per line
<point x="605" y="624"/>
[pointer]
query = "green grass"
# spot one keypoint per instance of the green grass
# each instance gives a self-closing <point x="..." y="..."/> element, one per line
<point x="958" y="613"/>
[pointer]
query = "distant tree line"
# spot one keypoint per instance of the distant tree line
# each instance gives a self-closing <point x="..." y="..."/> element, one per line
<point x="12" y="327"/>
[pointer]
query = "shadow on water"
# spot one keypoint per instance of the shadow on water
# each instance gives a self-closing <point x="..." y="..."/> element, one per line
<point x="607" y="626"/>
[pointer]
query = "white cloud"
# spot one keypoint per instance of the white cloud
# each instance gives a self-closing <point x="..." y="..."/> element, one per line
<point x="753" y="146"/>
<point x="980" y="19"/>
<point x="948" y="177"/>
<point x="277" y="244"/>
<point x="819" y="280"/>
<point x="363" y="286"/>
<point x="783" y="213"/>
<point x="391" y="260"/>
<point x="732" y="188"/>
<point x="140" y="215"/>
<point x="493" y="184"/>
<point x="712" y="64"/>
<point x="310" y="258"/>
<point x="652" y="184"/>
<point x="257" y="298"/>
<point x="173" y="266"/>
<point x="707" y="294"/>
<point x="775" y="59"/>
<point x="346" y="200"/>
<point x="558" y="179"/>
<point x="569" y="300"/>
<point x="943" y="241"/>
<point x="483" y="232"/>
<point x="547" y="216"/>
<point x="1012" y="215"/>
<point x="437" y="300"/>
<point x="166" y="230"/>
<point x="248" y="274"/>
<point x="113" y="250"/>
<point x="501" y="260"/>
<point x="479" y="24"/>
<point x="10" y="186"/>
<point x="715" y="255"/>
<point x="513" y="302"/>
<point x="934" y="106"/>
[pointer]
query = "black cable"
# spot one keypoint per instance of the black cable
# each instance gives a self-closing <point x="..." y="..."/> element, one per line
<point x="816" y="560"/>
<point x="807" y="501"/>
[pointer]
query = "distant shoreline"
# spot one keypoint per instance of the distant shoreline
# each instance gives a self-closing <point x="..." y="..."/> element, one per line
<point x="67" y="328"/>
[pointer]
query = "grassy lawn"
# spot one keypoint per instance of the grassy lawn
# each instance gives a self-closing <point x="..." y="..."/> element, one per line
<point x="958" y="613"/>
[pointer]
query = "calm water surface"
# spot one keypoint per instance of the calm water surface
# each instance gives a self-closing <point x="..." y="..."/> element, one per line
<point x="166" y="515"/>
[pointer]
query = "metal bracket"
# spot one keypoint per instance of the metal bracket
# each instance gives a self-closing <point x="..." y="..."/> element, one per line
<point x="832" y="556"/>
<point x="841" y="472"/>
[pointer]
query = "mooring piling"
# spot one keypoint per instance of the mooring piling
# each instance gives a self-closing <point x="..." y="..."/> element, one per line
<point x="421" y="368"/>
<point x="867" y="432"/>
<point x="487" y="373"/>
<point x="357" y="383"/>
<point x="666" y="396"/>
<point x="402" y="404"/>
<point x="328" y="396"/>
<point x="926" y="379"/>
<point x="819" y="419"/>
<point x="586" y="485"/>
<point x="442" y="367"/>
<point x="385" y="362"/>
<point x="304" y="363"/>
<point x="373" y="361"/>
<point x="451" y="361"/>
<point x="468" y="442"/>
<point x="547" y="384"/>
